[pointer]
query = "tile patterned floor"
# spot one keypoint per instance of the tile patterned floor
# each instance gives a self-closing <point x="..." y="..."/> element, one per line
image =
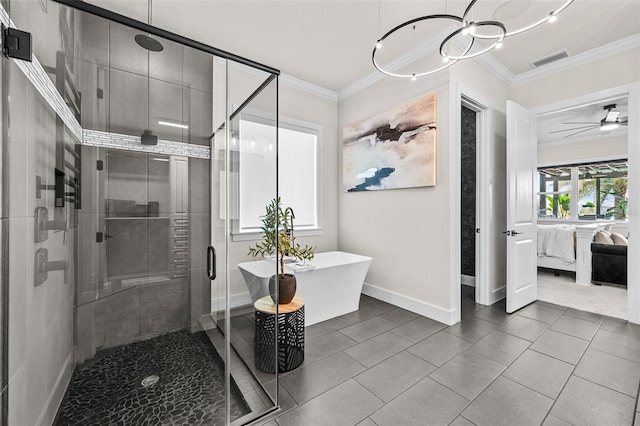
<point x="190" y="389"/>
<point x="543" y="365"/>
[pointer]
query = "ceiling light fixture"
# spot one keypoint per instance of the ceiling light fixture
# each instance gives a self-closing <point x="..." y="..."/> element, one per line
<point x="467" y="28"/>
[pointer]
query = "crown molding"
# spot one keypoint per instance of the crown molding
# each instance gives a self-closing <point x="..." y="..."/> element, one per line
<point x="398" y="63"/>
<point x="305" y="86"/>
<point x="579" y="59"/>
<point x="496" y="68"/>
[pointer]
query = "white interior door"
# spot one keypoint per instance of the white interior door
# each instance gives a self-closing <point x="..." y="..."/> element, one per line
<point x="522" y="284"/>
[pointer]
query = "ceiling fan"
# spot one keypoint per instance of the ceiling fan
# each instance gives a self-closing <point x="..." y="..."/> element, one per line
<point x="611" y="121"/>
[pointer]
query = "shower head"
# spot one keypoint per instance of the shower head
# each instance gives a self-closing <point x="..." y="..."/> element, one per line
<point x="146" y="42"/>
<point x="148" y="138"/>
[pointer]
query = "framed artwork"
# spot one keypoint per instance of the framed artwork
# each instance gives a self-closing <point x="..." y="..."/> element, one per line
<point x="395" y="149"/>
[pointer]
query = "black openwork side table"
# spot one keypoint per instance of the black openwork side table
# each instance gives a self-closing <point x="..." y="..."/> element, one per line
<point x="290" y="335"/>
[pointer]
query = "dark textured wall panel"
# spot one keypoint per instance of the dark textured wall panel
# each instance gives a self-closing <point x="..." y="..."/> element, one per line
<point x="468" y="197"/>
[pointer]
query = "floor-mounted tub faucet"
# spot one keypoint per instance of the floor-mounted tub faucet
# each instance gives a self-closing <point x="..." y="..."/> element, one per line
<point x="290" y="225"/>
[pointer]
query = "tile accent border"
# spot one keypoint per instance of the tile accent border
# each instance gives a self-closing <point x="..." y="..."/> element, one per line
<point x="132" y="143"/>
<point x="43" y="84"/>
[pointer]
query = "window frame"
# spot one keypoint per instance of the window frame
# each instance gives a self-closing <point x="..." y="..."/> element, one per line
<point x="574" y="213"/>
<point x="292" y="124"/>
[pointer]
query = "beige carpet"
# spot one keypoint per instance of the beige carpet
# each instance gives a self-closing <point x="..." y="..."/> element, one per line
<point x="563" y="290"/>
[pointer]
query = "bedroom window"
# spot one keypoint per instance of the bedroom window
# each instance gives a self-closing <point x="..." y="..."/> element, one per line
<point x="591" y="191"/>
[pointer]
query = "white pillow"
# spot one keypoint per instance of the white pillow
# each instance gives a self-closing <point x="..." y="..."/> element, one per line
<point x="603" y="237"/>
<point x="619" y="240"/>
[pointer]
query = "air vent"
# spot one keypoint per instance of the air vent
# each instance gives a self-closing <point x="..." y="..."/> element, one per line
<point x="551" y="58"/>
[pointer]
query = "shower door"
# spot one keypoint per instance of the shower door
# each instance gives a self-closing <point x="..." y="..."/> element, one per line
<point x="243" y="182"/>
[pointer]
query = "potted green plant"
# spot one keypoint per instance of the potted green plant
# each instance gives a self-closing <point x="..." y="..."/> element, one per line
<point x="278" y="238"/>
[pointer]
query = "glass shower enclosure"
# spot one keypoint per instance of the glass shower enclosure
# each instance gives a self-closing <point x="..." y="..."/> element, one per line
<point x="136" y="313"/>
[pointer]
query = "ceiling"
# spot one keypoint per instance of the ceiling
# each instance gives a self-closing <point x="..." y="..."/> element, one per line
<point x="329" y="43"/>
<point x="556" y="126"/>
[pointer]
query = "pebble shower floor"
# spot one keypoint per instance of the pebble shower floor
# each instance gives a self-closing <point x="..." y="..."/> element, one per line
<point x="190" y="390"/>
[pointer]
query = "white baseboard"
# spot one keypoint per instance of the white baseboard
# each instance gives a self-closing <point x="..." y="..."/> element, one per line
<point x="468" y="280"/>
<point x="410" y="304"/>
<point x="497" y="295"/>
<point x="235" y="301"/>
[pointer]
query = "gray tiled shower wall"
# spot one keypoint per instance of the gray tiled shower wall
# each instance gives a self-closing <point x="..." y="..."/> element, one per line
<point x="40" y="319"/>
<point x="119" y="97"/>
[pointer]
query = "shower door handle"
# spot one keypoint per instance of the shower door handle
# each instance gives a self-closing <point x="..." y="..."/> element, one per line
<point x="211" y="263"/>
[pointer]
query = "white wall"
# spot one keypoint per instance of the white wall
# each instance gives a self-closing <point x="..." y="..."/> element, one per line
<point x="406" y="231"/>
<point x="571" y="152"/>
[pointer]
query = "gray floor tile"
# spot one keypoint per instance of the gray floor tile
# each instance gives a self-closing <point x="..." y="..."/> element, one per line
<point x="617" y="344"/>
<point x="400" y="316"/>
<point x="366" y="422"/>
<point x="418" y="329"/>
<point x="619" y="326"/>
<point x="439" y="348"/>
<point x="371" y="309"/>
<point x="610" y="371"/>
<point x="324" y="346"/>
<point x="472" y="329"/>
<point x="501" y="347"/>
<point x="377" y="349"/>
<point x="347" y="404"/>
<point x="551" y="305"/>
<point x="589" y="316"/>
<point x="525" y="328"/>
<point x="585" y="403"/>
<point x="554" y="421"/>
<point x="493" y="313"/>
<point x="541" y="313"/>
<point x="322" y="328"/>
<point x="637" y="419"/>
<point x="468" y="374"/>
<point x="540" y="372"/>
<point x="395" y="375"/>
<point x="427" y="402"/>
<point x="310" y="381"/>
<point x="561" y="346"/>
<point x="575" y="327"/>
<point x="461" y="421"/>
<point x="508" y="403"/>
<point x="367" y="329"/>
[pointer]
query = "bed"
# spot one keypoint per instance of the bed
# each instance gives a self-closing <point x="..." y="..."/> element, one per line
<point x="567" y="247"/>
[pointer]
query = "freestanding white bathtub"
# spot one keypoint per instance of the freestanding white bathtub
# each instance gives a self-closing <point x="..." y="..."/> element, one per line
<point x="331" y="289"/>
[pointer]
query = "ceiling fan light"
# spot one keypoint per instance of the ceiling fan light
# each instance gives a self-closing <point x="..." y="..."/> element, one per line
<point x="553" y="17"/>
<point x="379" y="45"/>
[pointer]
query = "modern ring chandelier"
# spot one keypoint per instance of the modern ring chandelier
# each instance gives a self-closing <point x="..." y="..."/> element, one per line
<point x="493" y="31"/>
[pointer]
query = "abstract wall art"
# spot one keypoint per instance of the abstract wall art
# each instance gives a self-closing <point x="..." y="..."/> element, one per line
<point x="396" y="149"/>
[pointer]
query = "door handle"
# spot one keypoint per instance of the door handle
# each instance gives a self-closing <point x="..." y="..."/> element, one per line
<point x="507" y="232"/>
<point x="211" y="263"/>
<point x="513" y="232"/>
